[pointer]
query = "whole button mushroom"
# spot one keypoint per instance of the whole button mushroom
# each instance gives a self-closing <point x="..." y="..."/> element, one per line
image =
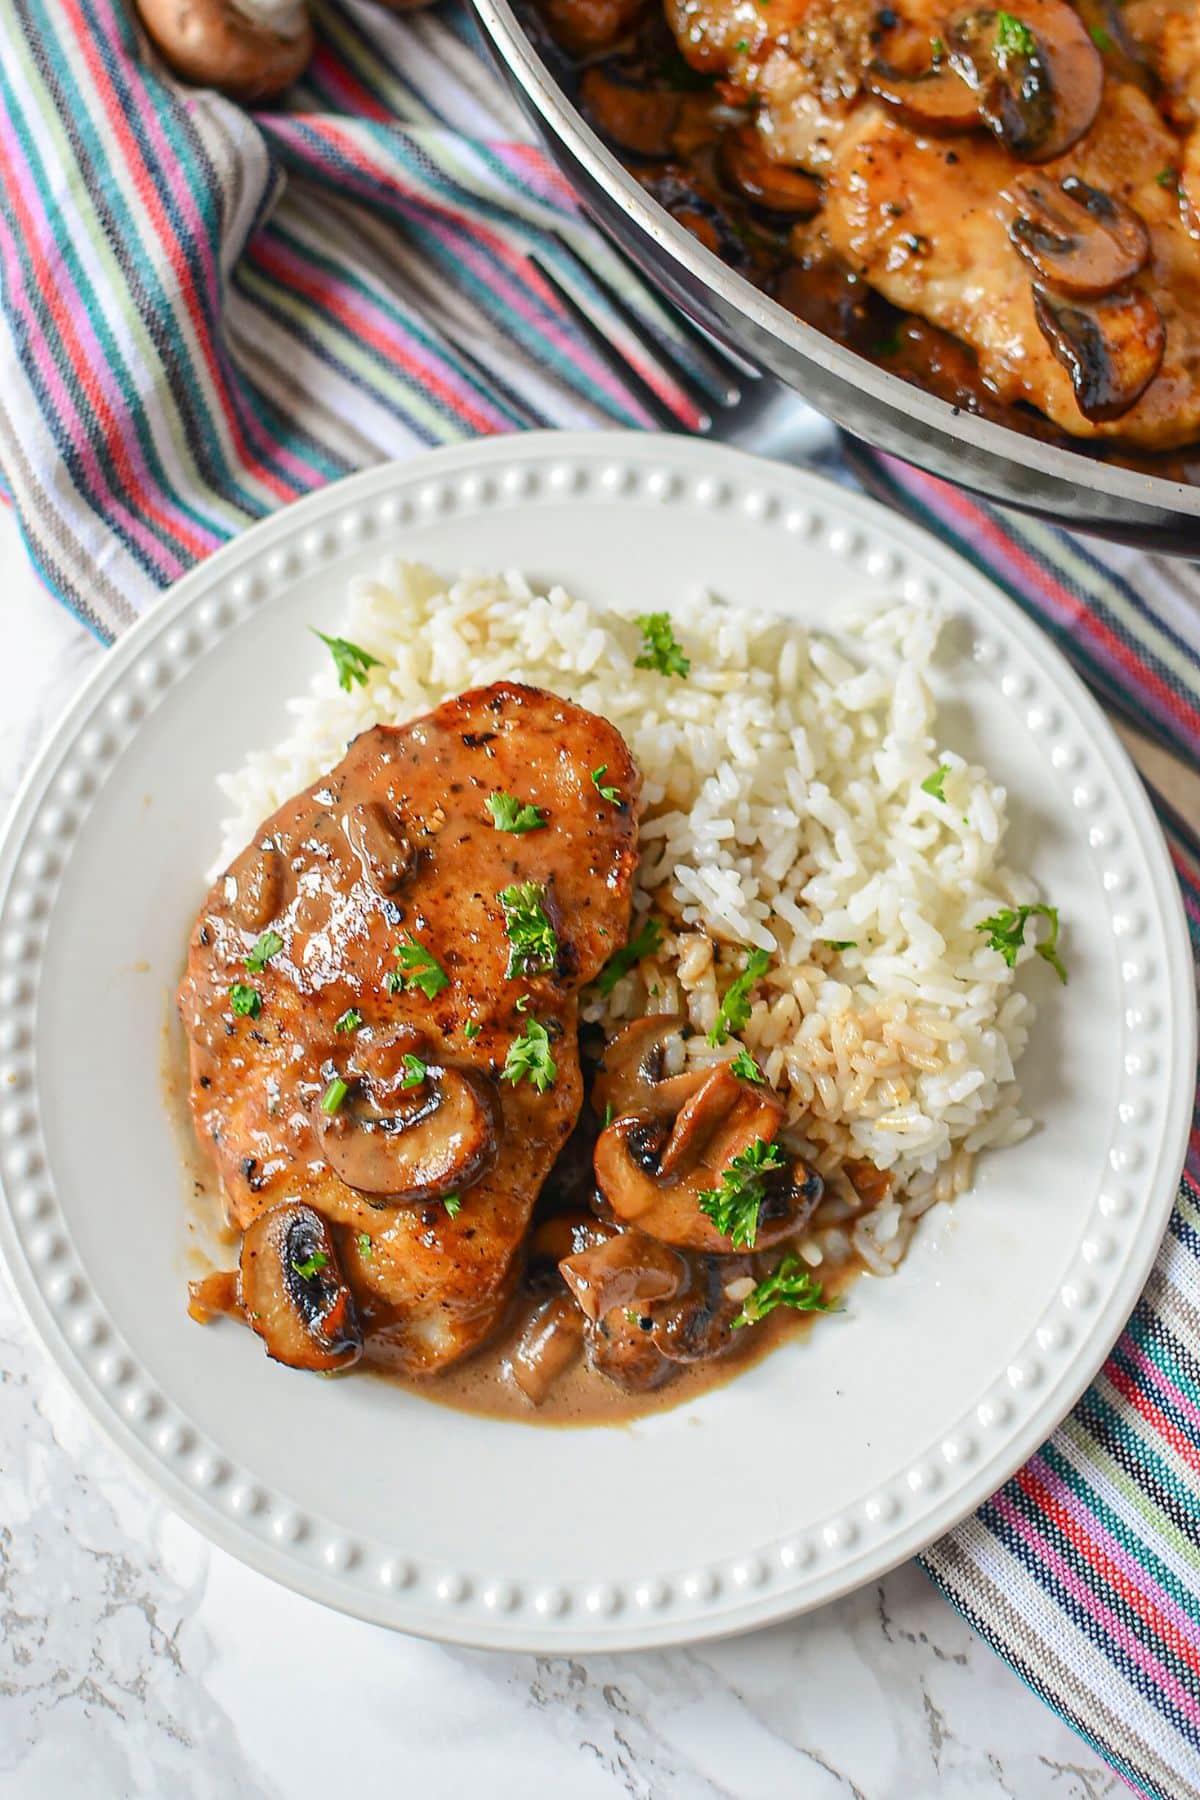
<point x="246" y="49"/>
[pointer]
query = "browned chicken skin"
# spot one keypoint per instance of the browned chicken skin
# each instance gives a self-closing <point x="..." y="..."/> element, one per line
<point x="396" y="847"/>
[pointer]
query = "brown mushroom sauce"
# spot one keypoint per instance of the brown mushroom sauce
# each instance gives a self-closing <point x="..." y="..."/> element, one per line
<point x="605" y="1323"/>
<point x="682" y="99"/>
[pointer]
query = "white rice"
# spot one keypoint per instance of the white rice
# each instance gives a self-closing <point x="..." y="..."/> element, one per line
<point x="783" y="810"/>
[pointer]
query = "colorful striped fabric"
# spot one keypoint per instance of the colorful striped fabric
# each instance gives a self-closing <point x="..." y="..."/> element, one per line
<point x="206" y="314"/>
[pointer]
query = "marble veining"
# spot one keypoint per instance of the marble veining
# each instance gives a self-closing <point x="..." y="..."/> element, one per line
<point x="136" y="1660"/>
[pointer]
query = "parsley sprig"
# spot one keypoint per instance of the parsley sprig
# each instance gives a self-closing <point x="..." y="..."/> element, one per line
<point x="529" y="1057"/>
<point x="350" y="660"/>
<point x="605" y="791"/>
<point x="1006" y="933"/>
<point x="260" y="954"/>
<point x="452" y="1204"/>
<point x="1013" y="37"/>
<point x="415" y="1070"/>
<point x="733" y="1014"/>
<point x="245" y="1002"/>
<point x="350" y="1020"/>
<point x="644" y="943"/>
<point x="660" y="647"/>
<point x="745" y="1067"/>
<point x="788" y="1285"/>
<point x="935" y="784"/>
<point x="419" y="968"/>
<point x="734" y="1206"/>
<point x="510" y="814"/>
<point x="312" y="1265"/>
<point x="533" y="944"/>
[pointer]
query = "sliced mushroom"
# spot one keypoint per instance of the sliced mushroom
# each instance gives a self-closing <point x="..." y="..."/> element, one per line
<point x="550" y="1343"/>
<point x="625" y="110"/>
<point x="254" y="886"/>
<point x="293" y="1292"/>
<point x="701" y="216"/>
<point x="1112" y="349"/>
<point x="937" y="99"/>
<point x="247" y="49"/>
<point x="377" y="838"/>
<point x="699" y="1326"/>
<point x="620" y="1346"/>
<point x="403" y="1139"/>
<point x="773" y="186"/>
<point x="653" y="1175"/>
<point x="641" y="1341"/>
<point x="1038" y="76"/>
<point x="1081" y="241"/>
<point x="633" y="1073"/>
<point x="628" y="1269"/>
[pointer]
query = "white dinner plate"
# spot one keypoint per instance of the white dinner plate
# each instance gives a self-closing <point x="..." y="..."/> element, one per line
<point x="833" y="1459"/>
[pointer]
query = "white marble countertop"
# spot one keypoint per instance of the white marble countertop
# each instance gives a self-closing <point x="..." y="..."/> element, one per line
<point x="136" y="1660"/>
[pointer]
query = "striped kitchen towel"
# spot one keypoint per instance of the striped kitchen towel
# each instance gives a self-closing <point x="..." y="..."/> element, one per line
<point x="206" y="313"/>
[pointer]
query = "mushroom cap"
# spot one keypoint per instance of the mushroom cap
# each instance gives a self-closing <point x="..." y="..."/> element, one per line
<point x="1040" y="100"/>
<point x="405" y="1142"/>
<point x="936" y="99"/>
<point x="244" y="50"/>
<point x="1111" y="348"/>
<point x="293" y="1292"/>
<point x="1080" y="240"/>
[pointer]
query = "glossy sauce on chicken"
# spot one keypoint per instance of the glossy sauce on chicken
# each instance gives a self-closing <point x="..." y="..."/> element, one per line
<point x="396" y="990"/>
<point x="1002" y="206"/>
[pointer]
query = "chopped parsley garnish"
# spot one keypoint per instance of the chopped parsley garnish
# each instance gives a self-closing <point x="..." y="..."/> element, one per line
<point x="335" y="1093"/>
<point x="745" y="1067"/>
<point x="734" y="1011"/>
<point x="452" y="1204"/>
<point x="311" y="1265"/>
<point x="887" y="346"/>
<point x="268" y="945"/>
<point x="534" y="946"/>
<point x="645" y="943"/>
<point x="365" y="1246"/>
<point x="471" y="1031"/>
<point x="606" y="793"/>
<point x="840" y="943"/>
<point x="788" y="1285"/>
<point x="608" y="1114"/>
<point x="734" y="1206"/>
<point x="1006" y="930"/>
<point x="937" y="51"/>
<point x="350" y="660"/>
<point x="415" y="1070"/>
<point x="1101" y="38"/>
<point x="935" y="784"/>
<point x="350" y="1020"/>
<point x="529" y="1055"/>
<point x="510" y="814"/>
<point x="1168" y="178"/>
<point x="660" y="648"/>
<point x="1012" y="37"/>
<point x="245" y="1002"/>
<point x="419" y="968"/>
<point x="742" y="45"/>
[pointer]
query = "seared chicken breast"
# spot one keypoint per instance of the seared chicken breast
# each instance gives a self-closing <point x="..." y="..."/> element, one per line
<point x="380" y="1003"/>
